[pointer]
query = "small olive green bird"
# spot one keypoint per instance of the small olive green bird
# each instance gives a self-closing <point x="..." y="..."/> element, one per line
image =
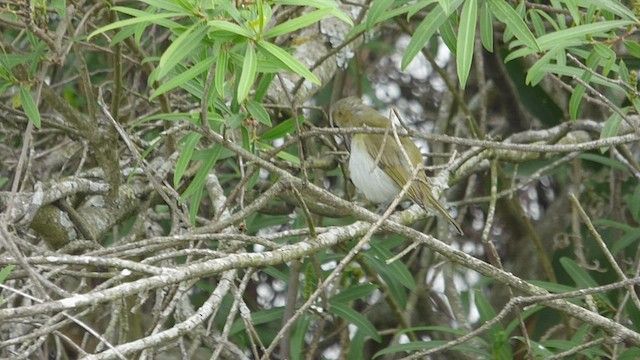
<point x="381" y="177"/>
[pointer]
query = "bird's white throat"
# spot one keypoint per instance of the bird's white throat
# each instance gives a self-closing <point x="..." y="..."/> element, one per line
<point x="374" y="183"/>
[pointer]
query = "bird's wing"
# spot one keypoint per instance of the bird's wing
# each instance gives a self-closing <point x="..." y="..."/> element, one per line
<point x="394" y="156"/>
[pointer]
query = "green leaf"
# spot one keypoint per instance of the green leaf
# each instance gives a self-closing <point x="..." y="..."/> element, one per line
<point x="466" y="40"/>
<point x="248" y="74"/>
<point x="430" y="344"/>
<point x="263" y="86"/>
<point x="485" y="310"/>
<point x="613" y="6"/>
<point x="636" y="103"/>
<point x="194" y="205"/>
<point x="634" y="204"/>
<point x="439" y="329"/>
<point x="632" y="47"/>
<point x="151" y="18"/>
<point x="607" y="58"/>
<point x="298" y="23"/>
<point x="221" y="72"/>
<point x="579" y="275"/>
<point x="506" y="14"/>
<point x="538" y="350"/>
<point x="552" y="287"/>
<point x="230" y="27"/>
<point x="628" y="239"/>
<point x="288" y="60"/>
<point x="528" y="311"/>
<point x="356" y="346"/>
<point x="262" y="16"/>
<point x="535" y="73"/>
<point x="578" y="33"/>
<point x="355" y="318"/>
<point x="29" y="106"/>
<point x="572" y="6"/>
<point x="258" y="318"/>
<point x="576" y="96"/>
<point x="180" y="48"/>
<point x="135" y="13"/>
<point x="536" y="21"/>
<point x="486" y="27"/>
<point x="396" y="289"/>
<point x="190" y="142"/>
<point x="282" y="129"/>
<point x="310" y="282"/>
<point x="397" y="269"/>
<point x="499" y="344"/>
<point x="604" y="160"/>
<point x="341" y="16"/>
<point x="319" y="4"/>
<point x="282" y="154"/>
<point x="276" y="274"/>
<point x="432" y="22"/>
<point x="60" y="7"/>
<point x="300" y="330"/>
<point x="630" y="354"/>
<point x="197" y="184"/>
<point x="448" y="35"/>
<point x="4" y="273"/>
<point x="183" y="77"/>
<point x="353" y="293"/>
<point x="411" y="9"/>
<point x="618" y="225"/>
<point x="258" y="112"/>
<point x="500" y="348"/>
<point x="122" y="35"/>
<point x="575" y="72"/>
<point x="446" y="6"/>
<point x="610" y="129"/>
<point x="376" y="11"/>
<point x="167" y="5"/>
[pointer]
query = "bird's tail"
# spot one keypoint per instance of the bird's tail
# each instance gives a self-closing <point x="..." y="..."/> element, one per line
<point x="429" y="201"/>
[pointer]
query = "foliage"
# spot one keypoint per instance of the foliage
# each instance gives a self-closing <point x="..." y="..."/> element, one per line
<point x="166" y="160"/>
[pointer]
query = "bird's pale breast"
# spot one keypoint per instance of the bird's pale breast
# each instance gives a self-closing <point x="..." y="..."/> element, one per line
<point x="369" y="178"/>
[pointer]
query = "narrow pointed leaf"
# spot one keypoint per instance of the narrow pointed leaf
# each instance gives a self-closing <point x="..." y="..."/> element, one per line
<point x="432" y="22"/>
<point x="466" y="40"/>
<point x="230" y="27"/>
<point x="288" y="60"/>
<point x="248" y="74"/>
<point x="180" y="48"/>
<point x="29" y="106"/>
<point x="578" y="32"/>
<point x="258" y="112"/>
<point x="615" y="7"/>
<point x="355" y="318"/>
<point x="486" y="27"/>
<point x="168" y="5"/>
<point x="610" y="129"/>
<point x="190" y="143"/>
<point x="151" y="18"/>
<point x="506" y="14"/>
<point x="197" y="184"/>
<point x="376" y="11"/>
<point x="183" y="77"/>
<point x="221" y="72"/>
<point x="298" y="23"/>
<point x="446" y="6"/>
<point x="4" y="273"/>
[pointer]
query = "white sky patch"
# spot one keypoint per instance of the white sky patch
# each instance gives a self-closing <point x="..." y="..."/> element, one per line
<point x="330" y="265"/>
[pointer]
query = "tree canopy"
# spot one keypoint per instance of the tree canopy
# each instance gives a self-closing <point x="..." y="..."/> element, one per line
<point x="172" y="185"/>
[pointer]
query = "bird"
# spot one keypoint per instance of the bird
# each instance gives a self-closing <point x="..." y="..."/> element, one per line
<point x="380" y="167"/>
